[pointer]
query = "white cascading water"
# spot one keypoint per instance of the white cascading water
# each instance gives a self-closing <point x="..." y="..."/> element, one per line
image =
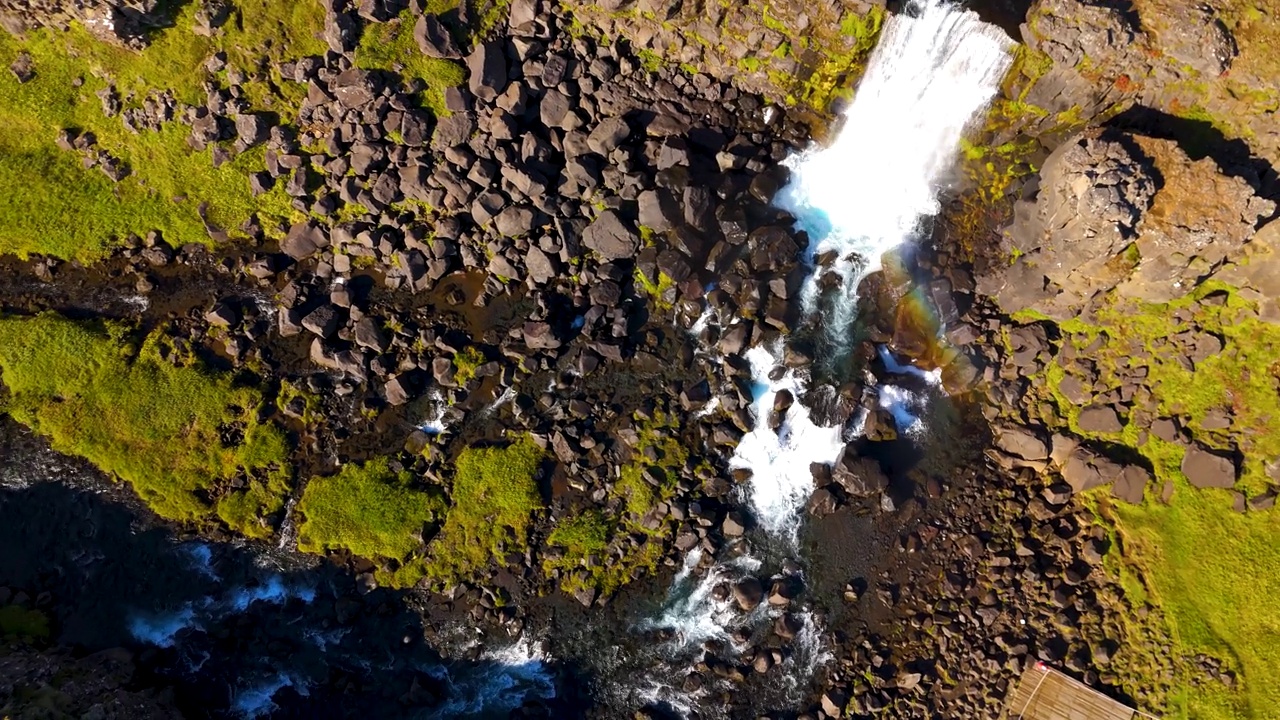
<point x="935" y="67"/>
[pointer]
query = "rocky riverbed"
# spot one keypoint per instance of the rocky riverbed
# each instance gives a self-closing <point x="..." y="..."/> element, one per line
<point x="507" y="329"/>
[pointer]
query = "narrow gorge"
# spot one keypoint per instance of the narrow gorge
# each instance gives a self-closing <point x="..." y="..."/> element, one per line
<point x="641" y="359"/>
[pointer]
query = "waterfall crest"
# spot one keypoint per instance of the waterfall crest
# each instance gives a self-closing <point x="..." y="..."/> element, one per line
<point x="935" y="68"/>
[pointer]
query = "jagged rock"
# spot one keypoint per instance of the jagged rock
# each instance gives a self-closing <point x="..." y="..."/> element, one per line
<point x="1132" y="484"/>
<point x="487" y="70"/>
<point x="748" y="593"/>
<point x="367" y="334"/>
<point x="222" y="315"/>
<point x="1085" y="469"/>
<point x="1205" y="468"/>
<point x="323" y="321"/>
<point x="609" y="237"/>
<point x="433" y="38"/>
<point x="303" y="240"/>
<point x="1021" y="442"/>
<point x="1123" y="211"/>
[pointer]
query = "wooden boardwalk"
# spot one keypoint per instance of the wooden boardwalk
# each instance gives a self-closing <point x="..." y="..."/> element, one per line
<point x="1046" y="694"/>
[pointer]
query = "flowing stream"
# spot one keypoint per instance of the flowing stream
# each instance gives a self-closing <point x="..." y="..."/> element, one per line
<point x="935" y="68"/>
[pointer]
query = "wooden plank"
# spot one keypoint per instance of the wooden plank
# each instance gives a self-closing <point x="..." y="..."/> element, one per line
<point x="1046" y="694"/>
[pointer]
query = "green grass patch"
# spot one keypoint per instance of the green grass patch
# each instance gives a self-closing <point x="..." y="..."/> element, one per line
<point x="465" y="364"/>
<point x="19" y="622"/>
<point x="391" y="46"/>
<point x="495" y="495"/>
<point x="182" y="436"/>
<point x="54" y="205"/>
<point x="1213" y="573"/>
<point x="606" y="551"/>
<point x="370" y="511"/>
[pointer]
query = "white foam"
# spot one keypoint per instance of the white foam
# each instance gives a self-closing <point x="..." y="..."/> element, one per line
<point x="933" y="69"/>
<point x="258" y="700"/>
<point x="162" y="630"/>
<point x="500" y="682"/>
<point x="891" y="364"/>
<point x="781" y="480"/>
<point x="903" y="405"/>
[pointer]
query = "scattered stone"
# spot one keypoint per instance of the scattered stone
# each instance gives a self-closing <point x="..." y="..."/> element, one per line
<point x="1205" y="468"/>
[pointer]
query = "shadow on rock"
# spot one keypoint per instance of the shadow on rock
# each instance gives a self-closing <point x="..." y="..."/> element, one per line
<point x="245" y="632"/>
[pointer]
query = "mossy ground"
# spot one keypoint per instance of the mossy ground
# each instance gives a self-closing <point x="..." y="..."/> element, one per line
<point x="494" y="497"/>
<point x="19" y="623"/>
<point x="391" y="46"/>
<point x="1212" y="573"/>
<point x="373" y="512"/>
<point x="183" y="437"/>
<point x="604" y="551"/>
<point x="54" y="205"/>
<point x="465" y="364"/>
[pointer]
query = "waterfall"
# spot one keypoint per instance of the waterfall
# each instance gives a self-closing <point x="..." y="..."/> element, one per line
<point x="935" y="67"/>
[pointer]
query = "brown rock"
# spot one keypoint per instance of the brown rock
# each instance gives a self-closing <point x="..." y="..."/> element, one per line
<point x="1205" y="468"/>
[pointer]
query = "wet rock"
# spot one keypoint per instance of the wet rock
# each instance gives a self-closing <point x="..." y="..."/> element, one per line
<point x="1206" y="468"/>
<point x="748" y="593"/>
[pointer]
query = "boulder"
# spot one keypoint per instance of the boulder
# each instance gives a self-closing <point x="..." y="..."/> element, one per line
<point x="748" y="593"/>
<point x="487" y="70"/>
<point x="434" y="40"/>
<point x="1206" y="468"/>
<point x="1131" y="486"/>
<point x="303" y="240"/>
<point x="1022" y="443"/>
<point x="611" y="238"/>
<point x="1100" y="418"/>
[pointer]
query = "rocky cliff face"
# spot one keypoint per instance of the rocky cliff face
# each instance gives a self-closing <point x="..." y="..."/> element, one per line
<point x="797" y="53"/>
<point x="1125" y="212"/>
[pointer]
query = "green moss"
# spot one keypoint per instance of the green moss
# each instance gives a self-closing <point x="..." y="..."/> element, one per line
<point x="656" y="291"/>
<point x="465" y="364"/>
<point x="494" y="497"/>
<point x="370" y="511"/>
<point x="54" y="205"/>
<point x="179" y="435"/>
<point x="649" y="60"/>
<point x="289" y="392"/>
<point x="582" y="534"/>
<point x="840" y="60"/>
<point x="19" y="622"/>
<point x="1212" y="573"/>
<point x="605" y="552"/>
<point x="390" y="46"/>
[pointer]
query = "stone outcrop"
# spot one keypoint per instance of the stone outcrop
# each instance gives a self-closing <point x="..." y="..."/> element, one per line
<point x="790" y="52"/>
<point x="1114" y="210"/>
<point x="123" y="22"/>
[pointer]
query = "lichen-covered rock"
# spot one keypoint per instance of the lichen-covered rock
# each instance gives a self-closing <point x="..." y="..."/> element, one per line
<point x="1126" y="212"/>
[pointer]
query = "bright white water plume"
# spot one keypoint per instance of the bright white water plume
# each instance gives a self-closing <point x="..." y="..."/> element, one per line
<point x="781" y="480"/>
<point x="934" y="68"/>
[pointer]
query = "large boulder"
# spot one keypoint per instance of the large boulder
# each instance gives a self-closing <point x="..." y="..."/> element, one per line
<point x="1114" y="210"/>
<point x="487" y="70"/>
<point x="611" y="238"/>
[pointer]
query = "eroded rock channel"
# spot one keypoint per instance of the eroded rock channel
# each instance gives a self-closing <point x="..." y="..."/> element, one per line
<point x="533" y="360"/>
